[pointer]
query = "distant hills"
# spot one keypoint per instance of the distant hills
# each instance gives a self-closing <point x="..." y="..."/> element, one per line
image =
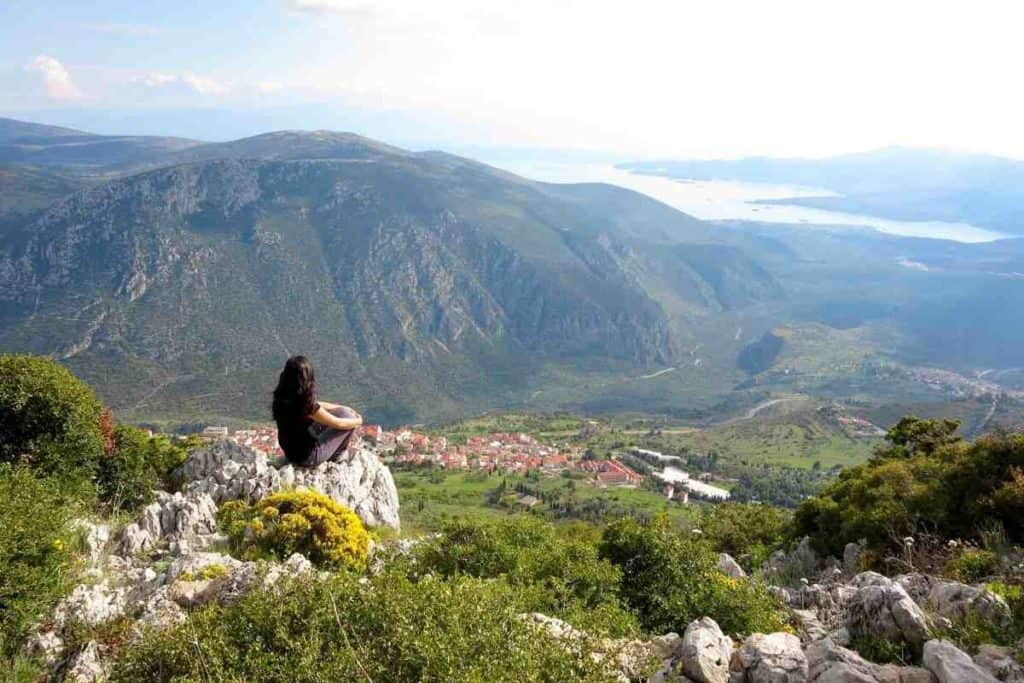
<point x="897" y="182"/>
<point x="176" y="276"/>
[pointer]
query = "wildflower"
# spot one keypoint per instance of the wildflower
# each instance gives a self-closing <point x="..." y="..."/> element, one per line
<point x="909" y="541"/>
<point x="804" y="581"/>
<point x="58" y="545"/>
<point x="697" y="532"/>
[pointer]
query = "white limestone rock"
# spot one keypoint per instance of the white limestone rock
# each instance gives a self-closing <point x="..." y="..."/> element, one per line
<point x="95" y="538"/>
<point x="1000" y="662"/>
<point x="227" y="471"/>
<point x="706" y="652"/>
<point x="87" y="665"/>
<point x="813" y="629"/>
<point x="91" y="605"/>
<point x="772" y="658"/>
<point x="882" y="608"/>
<point x="46" y="645"/>
<point x="828" y="662"/>
<point x="730" y="567"/>
<point x="954" y="601"/>
<point x="171" y="517"/>
<point x="950" y="664"/>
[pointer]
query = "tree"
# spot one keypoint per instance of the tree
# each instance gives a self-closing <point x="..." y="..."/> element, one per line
<point x="49" y="419"/>
<point x="913" y="436"/>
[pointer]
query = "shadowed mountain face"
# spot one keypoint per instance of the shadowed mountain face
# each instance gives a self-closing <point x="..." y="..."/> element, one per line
<point x="399" y="273"/>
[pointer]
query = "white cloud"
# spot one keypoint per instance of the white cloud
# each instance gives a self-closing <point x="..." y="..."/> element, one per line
<point x="56" y="78"/>
<point x="185" y="81"/>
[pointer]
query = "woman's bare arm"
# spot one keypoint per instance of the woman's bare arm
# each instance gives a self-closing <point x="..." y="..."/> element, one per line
<point x="328" y="420"/>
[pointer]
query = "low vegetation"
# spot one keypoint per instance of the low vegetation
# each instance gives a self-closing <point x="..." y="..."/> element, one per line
<point x="926" y="479"/>
<point x="670" y="577"/>
<point x="36" y="548"/>
<point x="385" y="628"/>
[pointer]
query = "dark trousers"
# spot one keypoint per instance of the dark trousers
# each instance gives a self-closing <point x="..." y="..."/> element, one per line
<point x="331" y="443"/>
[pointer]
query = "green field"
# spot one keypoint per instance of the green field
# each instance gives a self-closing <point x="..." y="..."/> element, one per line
<point x="430" y="497"/>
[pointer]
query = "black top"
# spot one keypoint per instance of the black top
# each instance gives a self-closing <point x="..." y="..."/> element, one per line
<point x="294" y="437"/>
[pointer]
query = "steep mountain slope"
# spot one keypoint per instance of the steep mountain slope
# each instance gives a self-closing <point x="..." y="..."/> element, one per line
<point x="419" y="282"/>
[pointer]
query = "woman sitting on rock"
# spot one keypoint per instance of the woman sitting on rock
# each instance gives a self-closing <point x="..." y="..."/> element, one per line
<point x="310" y="432"/>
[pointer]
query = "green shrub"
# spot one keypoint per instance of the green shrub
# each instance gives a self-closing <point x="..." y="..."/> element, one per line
<point x="556" y="570"/>
<point x="306" y="522"/>
<point x="49" y="419"/>
<point x="972" y="565"/>
<point x="926" y="479"/>
<point x="748" y="532"/>
<point x="669" y="579"/>
<point x="35" y="549"/>
<point x="137" y="465"/>
<point x="388" y="628"/>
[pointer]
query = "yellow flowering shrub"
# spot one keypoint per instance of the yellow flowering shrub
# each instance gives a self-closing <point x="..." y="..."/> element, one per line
<point x="299" y="521"/>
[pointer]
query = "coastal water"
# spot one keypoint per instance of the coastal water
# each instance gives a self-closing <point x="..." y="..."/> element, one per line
<point x="729" y="200"/>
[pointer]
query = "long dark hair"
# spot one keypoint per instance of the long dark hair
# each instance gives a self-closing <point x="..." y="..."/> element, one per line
<point x="295" y="395"/>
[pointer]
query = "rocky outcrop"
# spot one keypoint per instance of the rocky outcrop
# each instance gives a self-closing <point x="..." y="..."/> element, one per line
<point x="772" y="658"/>
<point x="176" y="517"/>
<point x="950" y="664"/>
<point x="160" y="567"/>
<point x="828" y="662"/>
<point x="706" y="652"/>
<point x="227" y="471"/>
<point x="882" y="608"/>
<point x="955" y="601"/>
<point x="87" y="665"/>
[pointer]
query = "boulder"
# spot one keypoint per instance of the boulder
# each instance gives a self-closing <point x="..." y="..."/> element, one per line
<point x="772" y="658"/>
<point x="228" y="471"/>
<point x="828" y="662"/>
<point x="90" y="605"/>
<point x="829" y="602"/>
<point x="950" y="664"/>
<point x="94" y="538"/>
<point x="1000" y="662"/>
<point x="813" y="629"/>
<point x="191" y="594"/>
<point x="882" y="608"/>
<point x="954" y="601"/>
<point x="730" y="567"/>
<point x="706" y="652"/>
<point x="633" y="658"/>
<point x="171" y="517"/>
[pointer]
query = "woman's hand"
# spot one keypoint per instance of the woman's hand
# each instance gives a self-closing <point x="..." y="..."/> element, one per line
<point x="326" y="418"/>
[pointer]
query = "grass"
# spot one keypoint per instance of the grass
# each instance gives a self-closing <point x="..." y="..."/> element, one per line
<point x="430" y="497"/>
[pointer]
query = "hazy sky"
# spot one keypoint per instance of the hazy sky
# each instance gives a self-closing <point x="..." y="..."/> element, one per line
<point x="636" y="78"/>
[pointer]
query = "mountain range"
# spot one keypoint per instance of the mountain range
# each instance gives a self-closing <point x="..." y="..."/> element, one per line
<point x="176" y="276"/>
